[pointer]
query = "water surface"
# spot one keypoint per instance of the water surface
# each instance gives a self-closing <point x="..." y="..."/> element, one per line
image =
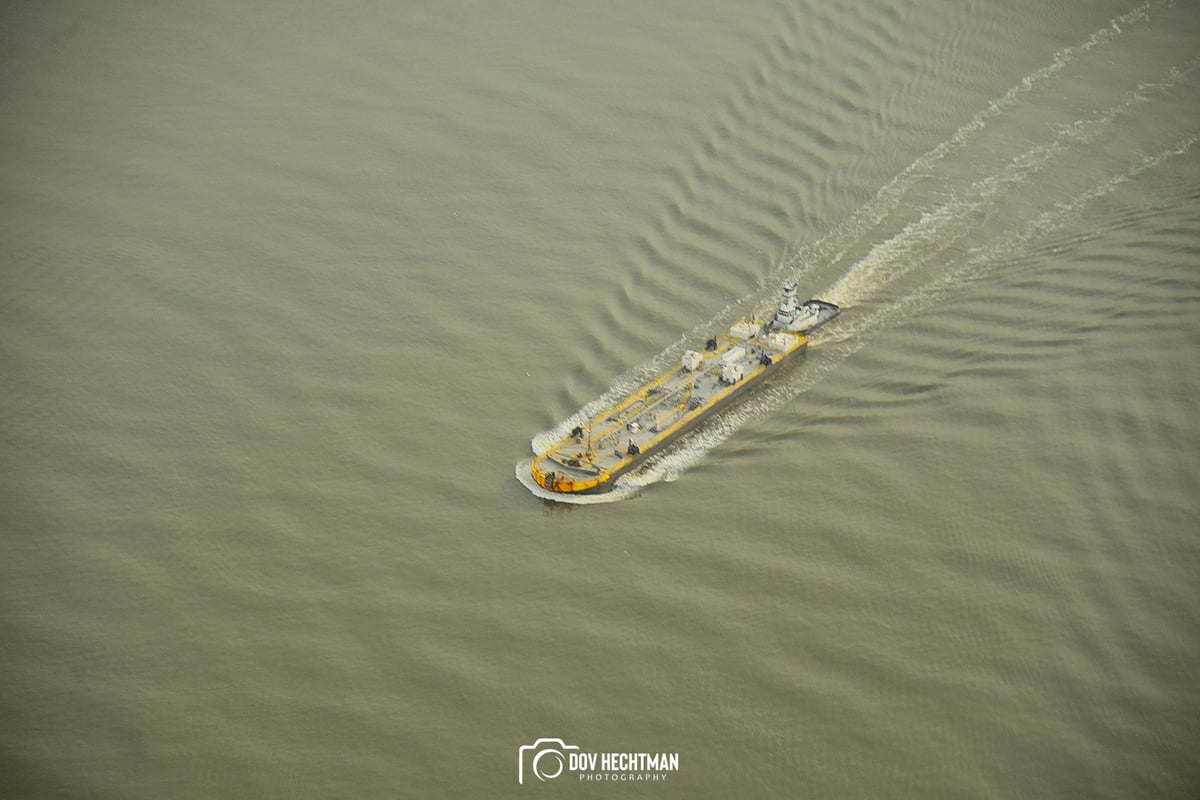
<point x="289" y="292"/>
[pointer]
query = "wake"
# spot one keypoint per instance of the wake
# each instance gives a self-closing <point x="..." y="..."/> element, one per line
<point x="936" y="230"/>
<point x="942" y="227"/>
<point x="835" y="246"/>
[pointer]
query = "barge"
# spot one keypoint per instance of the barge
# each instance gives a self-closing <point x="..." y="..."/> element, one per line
<point x="617" y="439"/>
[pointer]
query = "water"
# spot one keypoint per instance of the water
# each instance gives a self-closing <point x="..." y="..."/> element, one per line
<point x="287" y="292"/>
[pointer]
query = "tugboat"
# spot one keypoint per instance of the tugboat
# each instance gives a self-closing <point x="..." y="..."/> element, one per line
<point x="619" y="438"/>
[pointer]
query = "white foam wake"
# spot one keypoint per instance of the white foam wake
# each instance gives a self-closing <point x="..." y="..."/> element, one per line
<point x="834" y="246"/>
<point x="983" y="261"/>
<point x="940" y="228"/>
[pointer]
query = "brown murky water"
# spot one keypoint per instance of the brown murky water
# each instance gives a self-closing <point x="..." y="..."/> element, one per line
<point x="288" y="292"/>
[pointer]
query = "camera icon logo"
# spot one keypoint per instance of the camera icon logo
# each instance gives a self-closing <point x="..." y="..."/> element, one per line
<point x="546" y="759"/>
